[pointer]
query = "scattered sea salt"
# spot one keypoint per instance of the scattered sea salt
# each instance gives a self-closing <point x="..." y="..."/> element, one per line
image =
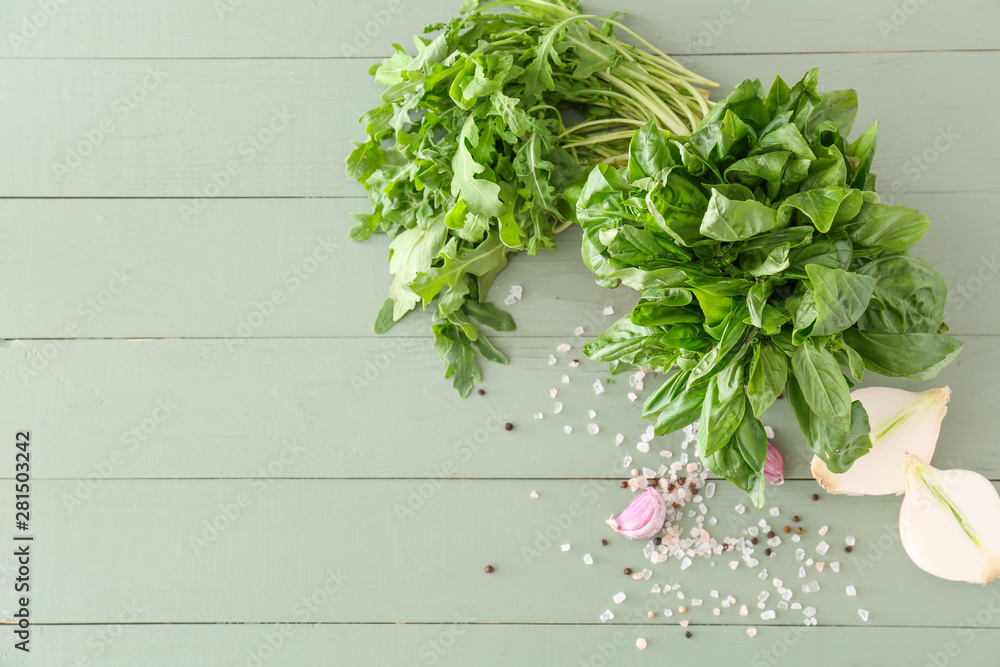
<point x="751" y="632"/>
<point x="534" y="494"/>
<point x="851" y="591"/>
<point x="640" y="643"/>
<point x="796" y="605"/>
<point x="609" y="310"/>
<point x="606" y="616"/>
<point x="774" y="511"/>
<point x="591" y="413"/>
<point x="553" y="392"/>
<point x="733" y="564"/>
<point x="593" y="429"/>
<point x="598" y="387"/>
<point x="713" y="593"/>
<point x="642" y="447"/>
<point x="768" y="615"/>
<point x="849" y="540"/>
<point x="741" y="509"/>
<point x="823" y="531"/>
<point x="710" y="489"/>
<point x="564" y="347"/>
<point x="686" y="563"/>
<point x="762" y="575"/>
<point x="782" y="604"/>
<point x="769" y="432"/>
<point x="835" y="566"/>
<point x="632" y="396"/>
<point x="552" y="360"/>
<point x="863" y="613"/>
<point x="557" y="408"/>
<point x="744" y="611"/>
<point x="509" y="300"/>
<point x="574" y="363"/>
<point x="647" y="573"/>
<point x="811" y="587"/>
<point x="822" y="548"/>
<point x="619" y="597"/>
<point x="568" y="428"/>
<point x="627" y="461"/>
<point x="565" y="547"/>
<point x="619" y="439"/>
<point x="539" y="415"/>
<point x="764" y="595"/>
<point x="565" y="379"/>
<point x="516" y="291"/>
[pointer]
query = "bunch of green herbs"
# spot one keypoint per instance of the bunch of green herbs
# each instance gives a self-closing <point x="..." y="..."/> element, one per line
<point x="767" y="265"/>
<point x="469" y="159"/>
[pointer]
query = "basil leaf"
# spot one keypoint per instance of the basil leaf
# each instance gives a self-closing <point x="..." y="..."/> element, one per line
<point x="841" y="298"/>
<point x="768" y="374"/>
<point x="731" y="220"/>
<point x="822" y="384"/>
<point x="741" y="460"/>
<point x="838" y="449"/>
<point x="911" y="292"/>
<point x="914" y="356"/>
<point x="722" y="410"/>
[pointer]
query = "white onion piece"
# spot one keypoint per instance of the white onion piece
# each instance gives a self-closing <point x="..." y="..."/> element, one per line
<point x="900" y="421"/>
<point x="950" y="522"/>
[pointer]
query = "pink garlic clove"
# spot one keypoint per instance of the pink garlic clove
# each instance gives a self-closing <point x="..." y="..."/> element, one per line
<point x="643" y="518"/>
<point x="774" y="466"/>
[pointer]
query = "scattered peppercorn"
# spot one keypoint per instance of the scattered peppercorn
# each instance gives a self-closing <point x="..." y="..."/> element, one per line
<point x="687" y="633"/>
<point x="657" y="541"/>
<point x="693" y="487"/>
<point x="576" y="361"/>
<point x="489" y="569"/>
<point x="795" y="519"/>
<point x="508" y="426"/>
<point x="604" y="543"/>
<point x="676" y="505"/>
<point x="482" y="392"/>
<point x="848" y="549"/>
<point x="628" y="570"/>
<point x="788" y="529"/>
<point x="767" y="551"/>
<point x="670" y="487"/>
<point x="781" y="395"/>
<point x="624" y="485"/>
<point x="770" y="534"/>
<point x="798" y="530"/>
<point x="754" y="541"/>
<point x="815" y="496"/>
<point x="681" y="480"/>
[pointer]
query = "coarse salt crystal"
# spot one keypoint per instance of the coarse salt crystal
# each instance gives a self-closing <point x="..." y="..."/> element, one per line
<point x="552" y="360"/>
<point x="565" y="547"/>
<point x="574" y="363"/>
<point x="578" y="331"/>
<point x="553" y="392"/>
<point x="509" y="300"/>
<point x="741" y="509"/>
<point x="796" y="605"/>
<point x="820" y="566"/>
<point x="695" y="602"/>
<point x="606" y="616"/>
<point x="851" y="591"/>
<point x="762" y="575"/>
<point x="753" y="531"/>
<point x="565" y="379"/>
<point x="769" y="432"/>
<point x="642" y="447"/>
<point x="632" y="396"/>
<point x="823" y="531"/>
<point x="777" y="583"/>
<point x="680" y="595"/>
<point x="751" y="632"/>
<point x="646" y="437"/>
<point x="539" y="415"/>
<point x="744" y="611"/>
<point x="809" y="562"/>
<point x="768" y="615"/>
<point x="655" y="589"/>
<point x="568" y="428"/>
<point x="516" y="291"/>
<point x="811" y="587"/>
<point x="610" y="310"/>
<point x="863" y="613"/>
<point x="782" y="604"/>
<point x="647" y="573"/>
<point x="692" y="467"/>
<point x="627" y="461"/>
<point x="774" y="511"/>
<point x="619" y="439"/>
<point x="835" y="566"/>
<point x="591" y="413"/>
<point x="822" y="548"/>
<point x="668" y="612"/>
<point x="534" y="494"/>
<point x="619" y="597"/>
<point x="802" y="573"/>
<point x="593" y="429"/>
<point x="598" y="387"/>
<point x="716" y="610"/>
<point x="849" y="540"/>
<point x="796" y="538"/>
<point x="774" y="541"/>
<point x="713" y="593"/>
<point x="684" y="624"/>
<point x="640" y="643"/>
<point x="686" y="563"/>
<point x="667" y="454"/>
<point x="557" y="408"/>
<point x="733" y="564"/>
<point x="709" y="489"/>
<point x="764" y="595"/>
<point x="564" y="347"/>
<point x="809" y="612"/>
<point x="588" y="559"/>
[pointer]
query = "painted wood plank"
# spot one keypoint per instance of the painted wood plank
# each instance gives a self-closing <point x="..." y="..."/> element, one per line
<point x="216" y="551"/>
<point x="260" y="128"/>
<point x="459" y="645"/>
<point x="253" y="28"/>
<point x="328" y="408"/>
<point x="284" y="268"/>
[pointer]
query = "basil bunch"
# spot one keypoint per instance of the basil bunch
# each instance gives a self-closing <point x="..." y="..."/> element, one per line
<point x="766" y="264"/>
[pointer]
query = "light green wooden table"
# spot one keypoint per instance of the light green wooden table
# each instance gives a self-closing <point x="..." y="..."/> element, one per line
<point x="230" y="469"/>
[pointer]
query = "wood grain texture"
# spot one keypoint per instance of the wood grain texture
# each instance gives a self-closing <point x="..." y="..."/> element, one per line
<point x="281" y="268"/>
<point x="282" y="128"/>
<point x="364" y="408"/>
<point x="326" y="28"/>
<point x="232" y="551"/>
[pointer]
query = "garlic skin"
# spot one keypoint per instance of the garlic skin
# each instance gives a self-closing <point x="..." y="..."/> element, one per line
<point x="900" y="421"/>
<point x="950" y="522"/>
<point x="643" y="518"/>
<point x="774" y="466"/>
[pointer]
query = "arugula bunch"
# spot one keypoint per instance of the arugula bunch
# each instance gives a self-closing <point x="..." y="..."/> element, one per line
<point x="766" y="264"/>
<point x="468" y="158"/>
